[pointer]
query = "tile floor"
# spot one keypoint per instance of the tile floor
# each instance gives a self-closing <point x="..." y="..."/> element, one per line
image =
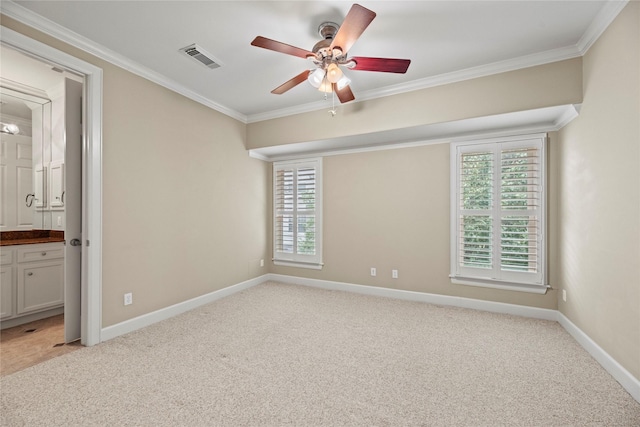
<point x="32" y="343"/>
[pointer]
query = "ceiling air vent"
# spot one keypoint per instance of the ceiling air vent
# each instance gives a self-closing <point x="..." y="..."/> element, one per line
<point x="201" y="56"/>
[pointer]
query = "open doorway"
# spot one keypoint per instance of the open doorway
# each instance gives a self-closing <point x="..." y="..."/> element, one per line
<point x="41" y="212"/>
<point x="88" y="241"/>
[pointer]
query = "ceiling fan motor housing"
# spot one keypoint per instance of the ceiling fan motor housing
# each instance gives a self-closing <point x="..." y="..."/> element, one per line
<point x="328" y="30"/>
<point x="325" y="55"/>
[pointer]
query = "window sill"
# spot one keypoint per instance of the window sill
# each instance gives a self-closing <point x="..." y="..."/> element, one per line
<point x="496" y="284"/>
<point x="299" y="264"/>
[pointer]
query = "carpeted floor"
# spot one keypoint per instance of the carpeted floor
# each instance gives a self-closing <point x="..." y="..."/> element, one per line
<point x="279" y="354"/>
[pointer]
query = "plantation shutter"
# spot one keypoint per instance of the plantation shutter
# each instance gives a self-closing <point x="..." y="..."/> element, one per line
<point x="297" y="211"/>
<point x="520" y="199"/>
<point x="475" y="239"/>
<point x="284" y="198"/>
<point x="498" y="227"/>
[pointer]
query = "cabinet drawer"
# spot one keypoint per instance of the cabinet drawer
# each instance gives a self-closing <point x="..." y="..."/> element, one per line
<point x="40" y="252"/>
<point x="6" y="256"/>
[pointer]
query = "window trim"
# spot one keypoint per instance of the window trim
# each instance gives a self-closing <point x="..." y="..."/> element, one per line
<point x="300" y="260"/>
<point x="508" y="283"/>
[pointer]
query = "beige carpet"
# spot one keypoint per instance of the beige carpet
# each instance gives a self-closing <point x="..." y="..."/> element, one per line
<point x="290" y="355"/>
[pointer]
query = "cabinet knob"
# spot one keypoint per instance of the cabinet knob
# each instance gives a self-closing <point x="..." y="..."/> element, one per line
<point x="43" y="253"/>
<point x="30" y="274"/>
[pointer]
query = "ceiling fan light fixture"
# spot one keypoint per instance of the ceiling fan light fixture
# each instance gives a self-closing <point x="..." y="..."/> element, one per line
<point x="316" y="77"/>
<point x="326" y="86"/>
<point x="334" y="73"/>
<point x="331" y="53"/>
<point x="343" y="82"/>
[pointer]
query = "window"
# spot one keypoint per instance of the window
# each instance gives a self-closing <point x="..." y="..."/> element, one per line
<point x="297" y="206"/>
<point x="498" y="213"/>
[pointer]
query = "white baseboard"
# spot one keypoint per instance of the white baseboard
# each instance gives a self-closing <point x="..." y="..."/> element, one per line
<point x="624" y="377"/>
<point x="617" y="371"/>
<point x="495" y="307"/>
<point x="165" y="313"/>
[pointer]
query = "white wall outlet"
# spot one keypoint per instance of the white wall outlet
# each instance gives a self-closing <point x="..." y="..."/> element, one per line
<point x="261" y="263"/>
<point x="128" y="298"/>
<point x="564" y="295"/>
<point x="373" y="271"/>
<point x="59" y="221"/>
<point x="394" y="274"/>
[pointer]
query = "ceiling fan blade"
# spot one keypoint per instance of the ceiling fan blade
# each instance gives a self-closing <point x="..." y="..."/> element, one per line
<point x="281" y="47"/>
<point x="344" y="94"/>
<point x="357" y="20"/>
<point x="291" y="83"/>
<point x="385" y="65"/>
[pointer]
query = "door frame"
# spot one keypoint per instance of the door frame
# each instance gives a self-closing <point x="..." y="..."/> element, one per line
<point x="91" y="287"/>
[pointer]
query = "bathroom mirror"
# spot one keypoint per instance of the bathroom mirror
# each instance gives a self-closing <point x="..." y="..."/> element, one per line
<point x="26" y="152"/>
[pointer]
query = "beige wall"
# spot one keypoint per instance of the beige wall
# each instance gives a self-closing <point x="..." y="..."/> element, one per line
<point x="184" y="207"/>
<point x="390" y="210"/>
<point x="599" y="196"/>
<point x="174" y="229"/>
<point x="558" y="83"/>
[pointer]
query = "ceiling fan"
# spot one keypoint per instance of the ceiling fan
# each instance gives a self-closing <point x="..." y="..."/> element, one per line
<point x="329" y="54"/>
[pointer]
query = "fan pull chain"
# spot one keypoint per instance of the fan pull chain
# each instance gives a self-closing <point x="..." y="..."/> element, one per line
<point x="333" y="111"/>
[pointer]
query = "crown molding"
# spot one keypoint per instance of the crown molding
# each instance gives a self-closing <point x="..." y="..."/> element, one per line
<point x="526" y="61"/>
<point x="546" y="119"/>
<point x="604" y="18"/>
<point x="48" y="27"/>
<point x="24" y="89"/>
<point x="566" y="117"/>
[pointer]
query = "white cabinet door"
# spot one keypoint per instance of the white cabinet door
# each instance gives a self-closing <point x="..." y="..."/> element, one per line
<point x="24" y="202"/>
<point x="40" y="178"/>
<point x="4" y="198"/>
<point x="6" y="291"/>
<point x="57" y="185"/>
<point x="40" y="285"/>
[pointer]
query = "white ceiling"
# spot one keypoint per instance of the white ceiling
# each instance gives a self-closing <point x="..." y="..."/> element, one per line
<point x="443" y="39"/>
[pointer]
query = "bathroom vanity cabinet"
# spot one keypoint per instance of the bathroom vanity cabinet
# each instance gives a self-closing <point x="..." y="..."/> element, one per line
<point x="32" y="280"/>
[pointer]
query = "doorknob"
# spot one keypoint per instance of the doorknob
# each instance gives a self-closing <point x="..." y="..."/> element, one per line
<point x="75" y="242"/>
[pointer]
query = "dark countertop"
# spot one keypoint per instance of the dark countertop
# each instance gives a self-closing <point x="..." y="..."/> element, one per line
<point x="10" y="238"/>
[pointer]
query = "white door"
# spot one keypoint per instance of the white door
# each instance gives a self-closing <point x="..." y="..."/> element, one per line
<point x="73" y="209"/>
